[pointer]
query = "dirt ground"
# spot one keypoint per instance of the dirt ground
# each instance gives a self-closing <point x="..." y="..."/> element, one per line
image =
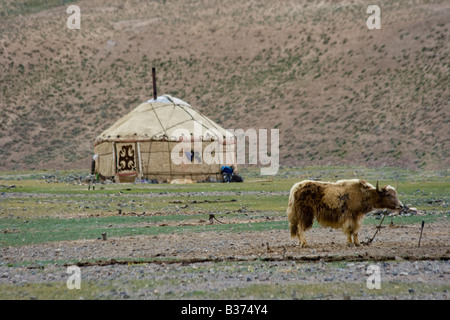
<point x="173" y="260"/>
<point x="400" y="241"/>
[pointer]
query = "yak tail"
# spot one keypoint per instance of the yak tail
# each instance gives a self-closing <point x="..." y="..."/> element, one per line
<point x="293" y="213"/>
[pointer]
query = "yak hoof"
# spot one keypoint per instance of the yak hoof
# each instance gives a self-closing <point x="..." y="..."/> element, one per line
<point x="303" y="245"/>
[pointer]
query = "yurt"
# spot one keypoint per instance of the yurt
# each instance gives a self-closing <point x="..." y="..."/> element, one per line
<point x="163" y="139"/>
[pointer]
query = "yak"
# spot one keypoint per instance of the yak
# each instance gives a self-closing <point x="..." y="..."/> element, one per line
<point x="339" y="205"/>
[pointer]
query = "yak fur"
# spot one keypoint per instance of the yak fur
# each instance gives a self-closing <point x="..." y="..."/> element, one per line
<point x="339" y="205"/>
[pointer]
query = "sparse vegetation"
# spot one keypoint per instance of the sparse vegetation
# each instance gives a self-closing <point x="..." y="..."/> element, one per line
<point x="319" y="66"/>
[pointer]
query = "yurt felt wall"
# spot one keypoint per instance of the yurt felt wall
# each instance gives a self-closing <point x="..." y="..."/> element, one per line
<point x="126" y="161"/>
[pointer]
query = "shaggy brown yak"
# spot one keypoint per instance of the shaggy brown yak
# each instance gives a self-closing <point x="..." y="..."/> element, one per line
<point x="339" y="205"/>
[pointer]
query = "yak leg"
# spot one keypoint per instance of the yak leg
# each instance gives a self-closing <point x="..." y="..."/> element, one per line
<point x="301" y="238"/>
<point x="357" y="226"/>
<point x="349" y="239"/>
<point x="355" y="239"/>
<point x="305" y="223"/>
<point x="352" y="238"/>
<point x="351" y="228"/>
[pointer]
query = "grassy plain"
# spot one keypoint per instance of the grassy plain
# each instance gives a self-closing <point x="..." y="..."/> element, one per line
<point x="38" y="210"/>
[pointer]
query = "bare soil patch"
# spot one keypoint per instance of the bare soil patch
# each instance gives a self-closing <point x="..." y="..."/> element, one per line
<point x="235" y="265"/>
<point x="398" y="242"/>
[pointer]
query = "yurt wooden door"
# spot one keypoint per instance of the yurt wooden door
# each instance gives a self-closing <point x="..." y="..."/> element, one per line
<point x="127" y="161"/>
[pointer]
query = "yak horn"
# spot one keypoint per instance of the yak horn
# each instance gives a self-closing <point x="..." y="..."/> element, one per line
<point x="378" y="189"/>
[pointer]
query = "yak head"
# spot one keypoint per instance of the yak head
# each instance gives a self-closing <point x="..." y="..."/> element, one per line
<point x="387" y="198"/>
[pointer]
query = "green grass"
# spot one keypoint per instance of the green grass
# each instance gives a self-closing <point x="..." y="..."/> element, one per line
<point x="50" y="229"/>
<point x="35" y="211"/>
<point x="35" y="231"/>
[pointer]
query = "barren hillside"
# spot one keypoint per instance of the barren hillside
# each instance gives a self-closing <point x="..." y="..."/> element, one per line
<point x="339" y="92"/>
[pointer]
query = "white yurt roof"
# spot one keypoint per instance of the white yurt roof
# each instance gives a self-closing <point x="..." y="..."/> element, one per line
<point x="166" y="118"/>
